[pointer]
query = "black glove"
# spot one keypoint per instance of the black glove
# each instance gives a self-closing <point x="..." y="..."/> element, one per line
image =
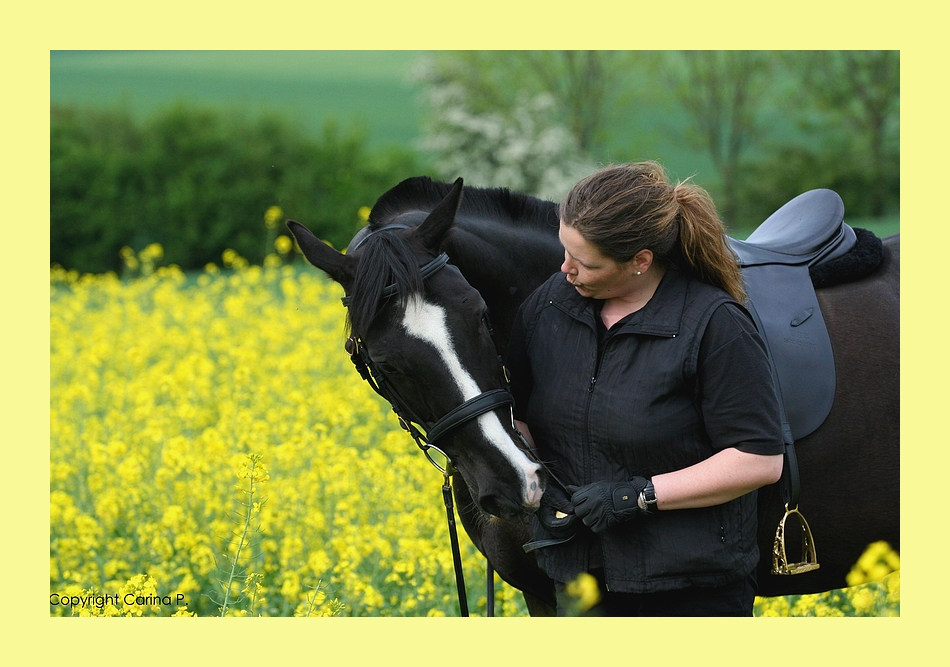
<point x="604" y="504"/>
<point x="556" y="513"/>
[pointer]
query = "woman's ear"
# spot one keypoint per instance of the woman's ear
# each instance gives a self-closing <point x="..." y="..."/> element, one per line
<point x="642" y="261"/>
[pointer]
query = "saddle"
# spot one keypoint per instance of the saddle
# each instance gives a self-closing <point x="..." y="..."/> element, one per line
<point x="777" y="260"/>
<point x="803" y="245"/>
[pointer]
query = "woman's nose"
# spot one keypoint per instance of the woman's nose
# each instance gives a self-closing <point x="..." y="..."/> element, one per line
<point x="567" y="266"/>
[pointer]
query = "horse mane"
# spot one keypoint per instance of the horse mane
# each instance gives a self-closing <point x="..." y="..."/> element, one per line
<point x="393" y="263"/>
<point x="421" y="193"/>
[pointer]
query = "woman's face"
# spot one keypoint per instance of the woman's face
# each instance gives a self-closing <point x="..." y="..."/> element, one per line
<point x="592" y="273"/>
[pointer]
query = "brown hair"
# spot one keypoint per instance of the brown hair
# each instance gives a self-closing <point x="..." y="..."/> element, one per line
<point x="623" y="209"/>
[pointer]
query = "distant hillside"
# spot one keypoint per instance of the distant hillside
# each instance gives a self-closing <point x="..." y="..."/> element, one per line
<point x="372" y="88"/>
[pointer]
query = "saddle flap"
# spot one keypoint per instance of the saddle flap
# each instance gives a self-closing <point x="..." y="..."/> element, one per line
<point x="785" y="308"/>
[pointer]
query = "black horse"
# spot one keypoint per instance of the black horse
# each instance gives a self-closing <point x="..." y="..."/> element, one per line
<point x="427" y="336"/>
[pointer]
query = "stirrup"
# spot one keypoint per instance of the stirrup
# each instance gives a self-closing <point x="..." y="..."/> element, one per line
<point x="780" y="564"/>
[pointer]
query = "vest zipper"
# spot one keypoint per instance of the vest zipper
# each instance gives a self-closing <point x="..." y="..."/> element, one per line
<point x="588" y="446"/>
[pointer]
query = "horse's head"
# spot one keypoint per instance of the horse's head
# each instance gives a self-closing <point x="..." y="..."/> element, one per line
<point x="426" y="332"/>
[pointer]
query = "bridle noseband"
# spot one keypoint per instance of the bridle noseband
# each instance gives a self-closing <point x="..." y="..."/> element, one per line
<point x="433" y="432"/>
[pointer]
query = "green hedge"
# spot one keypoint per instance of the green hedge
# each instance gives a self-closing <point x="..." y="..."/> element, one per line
<point x="199" y="181"/>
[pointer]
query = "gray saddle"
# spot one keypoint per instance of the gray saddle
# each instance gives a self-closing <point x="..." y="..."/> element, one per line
<point x="777" y="261"/>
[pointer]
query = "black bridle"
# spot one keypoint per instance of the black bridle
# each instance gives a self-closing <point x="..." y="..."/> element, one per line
<point x="428" y="434"/>
<point x="433" y="431"/>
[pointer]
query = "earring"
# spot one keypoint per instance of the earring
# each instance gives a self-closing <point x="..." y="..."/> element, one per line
<point x="639" y="273"/>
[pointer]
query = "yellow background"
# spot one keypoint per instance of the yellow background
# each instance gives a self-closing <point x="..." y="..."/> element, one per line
<point x="915" y="27"/>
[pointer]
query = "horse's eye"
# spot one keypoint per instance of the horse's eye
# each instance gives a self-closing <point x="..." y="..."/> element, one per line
<point x="387" y="368"/>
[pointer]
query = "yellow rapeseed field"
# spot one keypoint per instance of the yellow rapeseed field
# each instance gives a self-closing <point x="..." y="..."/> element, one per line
<point x="212" y="450"/>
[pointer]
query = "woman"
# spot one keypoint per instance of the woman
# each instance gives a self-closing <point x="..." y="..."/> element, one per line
<point x="642" y="383"/>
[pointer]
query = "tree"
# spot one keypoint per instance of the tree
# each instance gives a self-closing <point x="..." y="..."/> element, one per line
<point x="721" y="93"/>
<point x="198" y="181"/>
<point x="584" y="85"/>
<point x="860" y="92"/>
<point x="495" y="133"/>
<point x="565" y="100"/>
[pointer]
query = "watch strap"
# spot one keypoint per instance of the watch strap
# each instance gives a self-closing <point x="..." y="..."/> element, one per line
<point x="648" y="498"/>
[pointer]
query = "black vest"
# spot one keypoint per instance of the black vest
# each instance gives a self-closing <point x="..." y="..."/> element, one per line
<point x="628" y="409"/>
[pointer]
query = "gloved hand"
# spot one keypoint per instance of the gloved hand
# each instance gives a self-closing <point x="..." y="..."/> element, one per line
<point x="556" y="513"/>
<point x="604" y="504"/>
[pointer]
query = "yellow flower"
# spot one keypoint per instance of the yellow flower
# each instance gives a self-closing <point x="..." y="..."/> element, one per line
<point x="272" y="216"/>
<point x="584" y="592"/>
<point x="148" y="432"/>
<point x="877" y="561"/>
<point x="283" y="244"/>
<point x="151" y="252"/>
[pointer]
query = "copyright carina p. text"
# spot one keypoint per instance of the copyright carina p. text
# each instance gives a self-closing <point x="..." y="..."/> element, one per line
<point x="116" y="599"/>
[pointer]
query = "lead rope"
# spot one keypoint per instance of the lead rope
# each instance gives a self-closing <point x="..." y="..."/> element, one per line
<point x="363" y="364"/>
<point x="361" y="360"/>
<point x="454" y="538"/>
<point x="487" y="400"/>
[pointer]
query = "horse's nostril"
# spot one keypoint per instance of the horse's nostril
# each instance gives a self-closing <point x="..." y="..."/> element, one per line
<point x="533" y="492"/>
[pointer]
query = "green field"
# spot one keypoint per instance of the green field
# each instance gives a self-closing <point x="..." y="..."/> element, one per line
<point x="369" y="88"/>
<point x="880" y="226"/>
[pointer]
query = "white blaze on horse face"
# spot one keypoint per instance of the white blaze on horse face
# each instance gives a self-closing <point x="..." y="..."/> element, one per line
<point x="426" y="321"/>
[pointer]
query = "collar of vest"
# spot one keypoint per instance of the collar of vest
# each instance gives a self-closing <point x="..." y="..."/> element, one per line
<point x="661" y="316"/>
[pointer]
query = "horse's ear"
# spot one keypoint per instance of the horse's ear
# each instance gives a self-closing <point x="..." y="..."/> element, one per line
<point x="335" y="264"/>
<point x="440" y="220"/>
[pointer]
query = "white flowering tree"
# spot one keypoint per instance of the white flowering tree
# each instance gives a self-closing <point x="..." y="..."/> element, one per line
<point x="520" y="146"/>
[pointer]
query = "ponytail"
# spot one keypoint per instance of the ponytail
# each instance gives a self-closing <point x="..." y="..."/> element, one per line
<point x="703" y="243"/>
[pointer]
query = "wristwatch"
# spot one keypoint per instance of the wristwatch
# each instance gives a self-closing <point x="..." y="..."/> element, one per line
<point x="648" y="498"/>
